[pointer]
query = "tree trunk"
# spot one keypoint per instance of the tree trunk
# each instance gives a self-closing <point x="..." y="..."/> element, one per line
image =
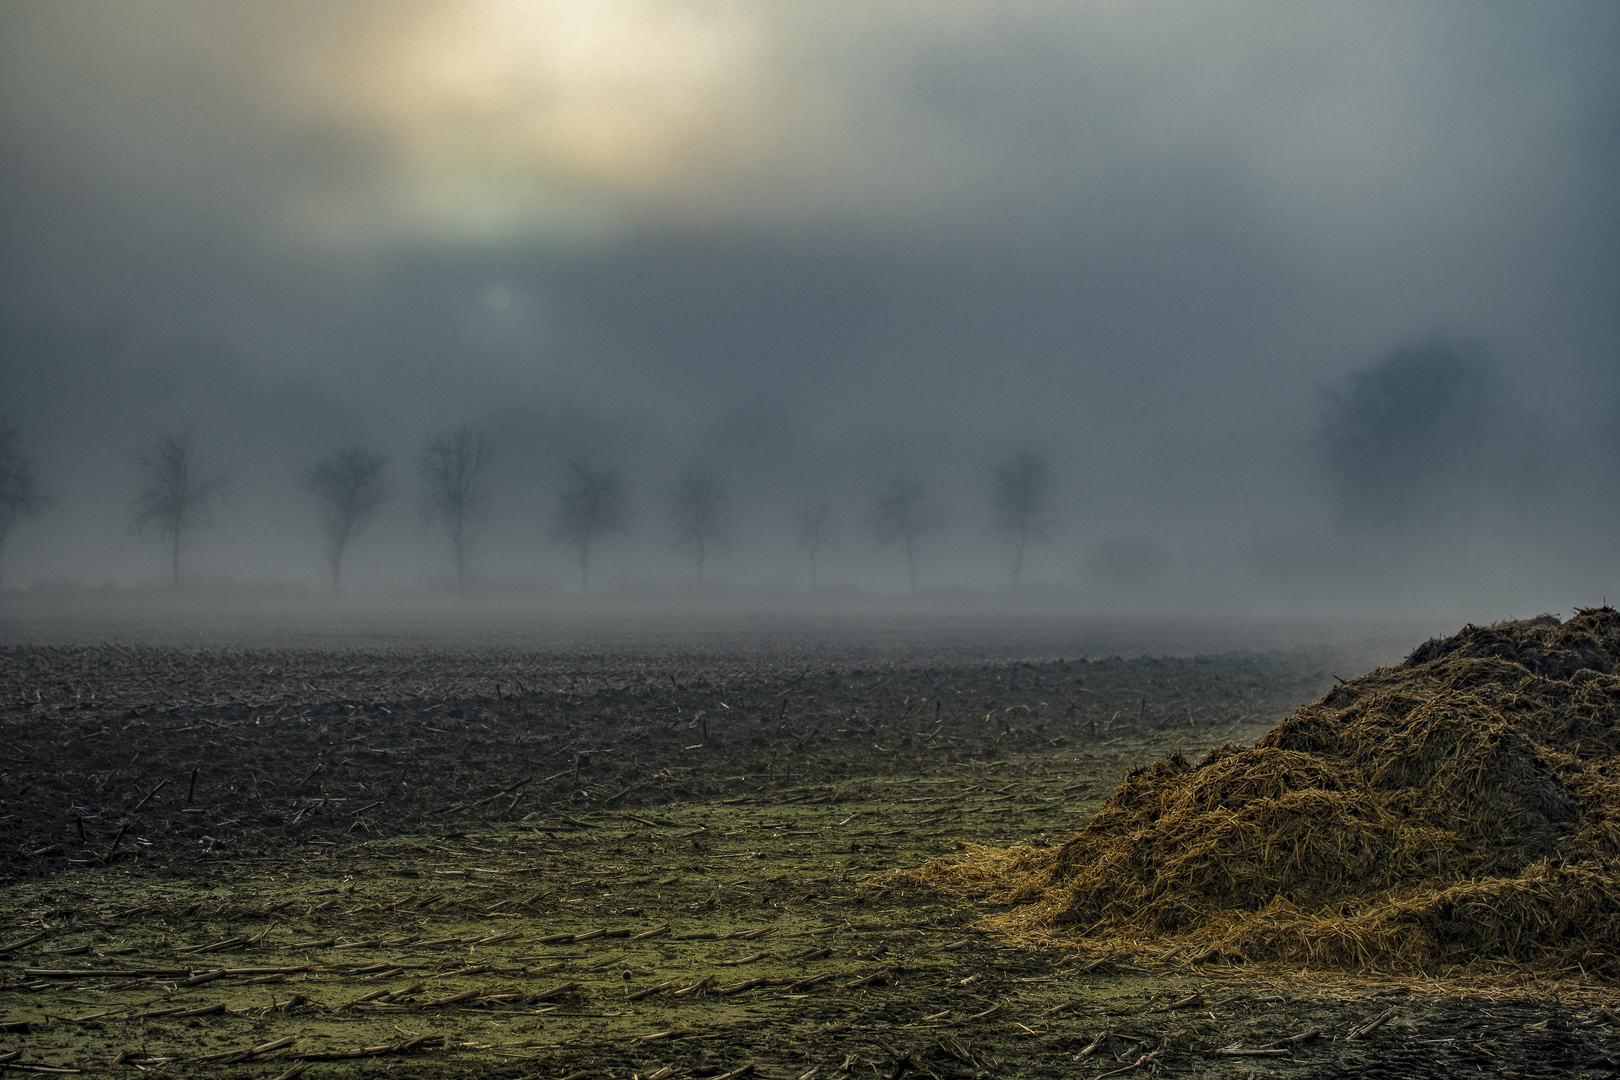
<point x="812" y="571"/>
<point x="338" y="544"/>
<point x="1018" y="559"/>
<point x="460" y="546"/>
<point x="174" y="558"/>
<point x="700" y="554"/>
<point x="585" y="568"/>
<point x="911" y="565"/>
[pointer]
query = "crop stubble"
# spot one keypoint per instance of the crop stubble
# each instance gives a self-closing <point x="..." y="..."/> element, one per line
<point x="256" y="863"/>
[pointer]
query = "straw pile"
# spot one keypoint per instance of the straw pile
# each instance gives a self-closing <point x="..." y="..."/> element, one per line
<point x="1461" y="808"/>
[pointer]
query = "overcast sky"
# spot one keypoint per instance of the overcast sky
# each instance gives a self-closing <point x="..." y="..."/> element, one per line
<point x="813" y="245"/>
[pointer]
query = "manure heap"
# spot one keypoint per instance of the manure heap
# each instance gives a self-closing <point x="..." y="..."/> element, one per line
<point x="1462" y="808"/>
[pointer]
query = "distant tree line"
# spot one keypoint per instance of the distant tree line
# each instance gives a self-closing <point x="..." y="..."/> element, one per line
<point x="178" y="491"/>
<point x="1427" y="433"/>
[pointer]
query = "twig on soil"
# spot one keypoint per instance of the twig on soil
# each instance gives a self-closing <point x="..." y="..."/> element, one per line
<point x="1189" y="1000"/>
<point x="740" y="987"/>
<point x="228" y="943"/>
<point x="161" y="784"/>
<point x="1372" y="1025"/>
<point x="231" y="1057"/>
<point x="1237" y="1050"/>
<point x="649" y="991"/>
<point x="15" y="945"/>
<point x="1295" y="1040"/>
<point x="878" y="976"/>
<point x="702" y="984"/>
<point x="113" y="847"/>
<point x="420" y="1042"/>
<point x="743" y="960"/>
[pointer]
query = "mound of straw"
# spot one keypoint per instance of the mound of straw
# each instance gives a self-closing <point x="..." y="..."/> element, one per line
<point x="1462" y="808"/>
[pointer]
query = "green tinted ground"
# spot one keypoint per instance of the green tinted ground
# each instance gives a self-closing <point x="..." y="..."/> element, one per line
<point x="735" y="934"/>
<point x="701" y="940"/>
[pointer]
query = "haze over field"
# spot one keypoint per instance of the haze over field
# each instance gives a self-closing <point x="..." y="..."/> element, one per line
<point x="1307" y="307"/>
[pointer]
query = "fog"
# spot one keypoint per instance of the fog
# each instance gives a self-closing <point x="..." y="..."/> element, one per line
<point x="1311" y="308"/>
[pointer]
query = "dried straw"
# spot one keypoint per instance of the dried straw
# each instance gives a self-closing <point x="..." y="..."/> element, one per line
<point x="1459" y="813"/>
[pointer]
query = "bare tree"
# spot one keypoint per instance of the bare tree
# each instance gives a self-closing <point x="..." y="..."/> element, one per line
<point x="699" y="512"/>
<point x="452" y="465"/>
<point x="589" y="508"/>
<point x="817" y="529"/>
<point x="20" y="496"/>
<point x="348" y="487"/>
<point x="1021" y="490"/>
<point x="906" y="513"/>
<point x="177" y="493"/>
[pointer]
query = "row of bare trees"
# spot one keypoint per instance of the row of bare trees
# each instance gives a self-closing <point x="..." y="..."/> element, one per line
<point x="906" y="513"/>
<point x="593" y="505"/>
<point x="178" y="492"/>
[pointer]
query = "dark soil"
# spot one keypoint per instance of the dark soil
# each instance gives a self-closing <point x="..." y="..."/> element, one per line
<point x="286" y="747"/>
<point x="408" y="864"/>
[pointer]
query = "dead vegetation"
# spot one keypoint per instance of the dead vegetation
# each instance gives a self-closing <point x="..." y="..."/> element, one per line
<point x="1458" y="813"/>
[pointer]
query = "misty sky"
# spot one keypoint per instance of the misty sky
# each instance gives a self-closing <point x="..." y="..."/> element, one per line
<point x="811" y="245"/>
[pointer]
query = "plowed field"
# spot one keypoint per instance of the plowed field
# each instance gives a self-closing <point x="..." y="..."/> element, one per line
<point x="278" y="862"/>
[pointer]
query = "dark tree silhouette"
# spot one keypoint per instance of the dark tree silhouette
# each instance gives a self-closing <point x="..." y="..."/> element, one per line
<point x="177" y="493"/>
<point x="906" y="513"/>
<point x="1417" y="432"/>
<point x="452" y="468"/>
<point x="348" y="487"/>
<point x="20" y="496"/>
<point x="1021" y="489"/>
<point x="700" y="515"/>
<point x="591" y="506"/>
<point x="817" y="530"/>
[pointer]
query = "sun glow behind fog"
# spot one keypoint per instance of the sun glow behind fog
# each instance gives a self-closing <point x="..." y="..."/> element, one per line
<point x="500" y="117"/>
<point x="337" y="126"/>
